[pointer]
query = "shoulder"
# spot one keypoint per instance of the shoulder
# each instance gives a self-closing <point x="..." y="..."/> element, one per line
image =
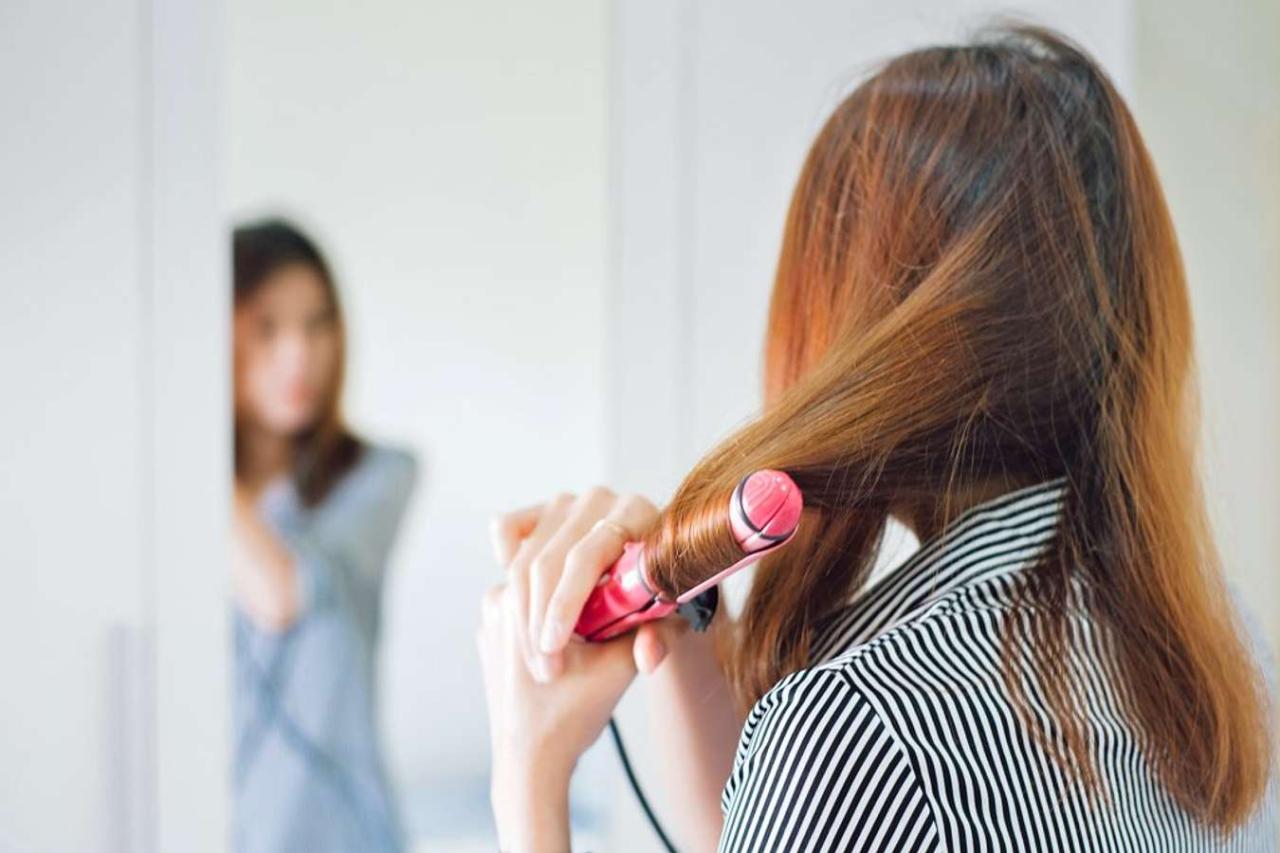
<point x="959" y="624"/>
<point x="390" y="461"/>
<point x="857" y="671"/>
<point x="818" y="769"/>
<point x="791" y="700"/>
<point x="383" y="469"/>
<point x="947" y="654"/>
<point x="902" y="658"/>
<point x="378" y="486"/>
<point x="829" y="739"/>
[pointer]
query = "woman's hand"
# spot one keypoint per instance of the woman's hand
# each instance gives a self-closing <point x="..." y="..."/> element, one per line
<point x="263" y="577"/>
<point x="540" y="726"/>
<point x="554" y="554"/>
<point x="538" y="731"/>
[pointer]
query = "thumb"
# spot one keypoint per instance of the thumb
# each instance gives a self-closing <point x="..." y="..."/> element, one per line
<point x="655" y="639"/>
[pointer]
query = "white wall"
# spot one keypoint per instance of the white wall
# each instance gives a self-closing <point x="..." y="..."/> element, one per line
<point x="72" y="314"/>
<point x="1208" y="103"/>
<point x="451" y="157"/>
<point x="112" y="365"/>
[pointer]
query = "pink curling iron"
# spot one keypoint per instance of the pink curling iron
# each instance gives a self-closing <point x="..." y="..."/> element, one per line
<point x="764" y="512"/>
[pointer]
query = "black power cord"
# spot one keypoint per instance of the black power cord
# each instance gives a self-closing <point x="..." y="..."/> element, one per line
<point x="698" y="611"/>
<point x="635" y="786"/>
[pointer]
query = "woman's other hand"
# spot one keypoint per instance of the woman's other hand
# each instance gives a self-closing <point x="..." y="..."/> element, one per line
<point x="263" y="576"/>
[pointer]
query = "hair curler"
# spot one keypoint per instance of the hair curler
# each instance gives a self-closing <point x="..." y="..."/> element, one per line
<point x="764" y="512"/>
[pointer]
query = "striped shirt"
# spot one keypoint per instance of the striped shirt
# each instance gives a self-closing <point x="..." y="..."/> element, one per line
<point x="903" y="736"/>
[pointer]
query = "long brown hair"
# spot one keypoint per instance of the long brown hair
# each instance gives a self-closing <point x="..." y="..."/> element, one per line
<point x="327" y="449"/>
<point x="979" y="282"/>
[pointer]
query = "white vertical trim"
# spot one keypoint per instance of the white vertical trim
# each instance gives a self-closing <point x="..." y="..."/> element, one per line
<point x="650" y="313"/>
<point x="135" y="644"/>
<point x="649" y="351"/>
<point x="128" y="715"/>
<point x="186" y="395"/>
<point x="685" y="39"/>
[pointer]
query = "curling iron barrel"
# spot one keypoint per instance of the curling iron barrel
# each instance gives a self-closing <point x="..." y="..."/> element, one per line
<point x="763" y="513"/>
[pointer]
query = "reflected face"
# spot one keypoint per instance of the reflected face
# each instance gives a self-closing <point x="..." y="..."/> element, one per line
<point x="286" y="351"/>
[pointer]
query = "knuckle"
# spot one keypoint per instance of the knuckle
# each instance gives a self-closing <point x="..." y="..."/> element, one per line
<point x="636" y="502"/>
<point x="578" y="554"/>
<point x="599" y="494"/>
<point x="540" y="568"/>
<point x="638" y="512"/>
<point x="558" y="611"/>
<point x="520" y="566"/>
<point x="509" y="600"/>
<point x="504" y="524"/>
<point x="491" y="599"/>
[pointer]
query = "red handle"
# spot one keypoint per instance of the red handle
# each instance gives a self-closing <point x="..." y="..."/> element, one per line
<point x="621" y="599"/>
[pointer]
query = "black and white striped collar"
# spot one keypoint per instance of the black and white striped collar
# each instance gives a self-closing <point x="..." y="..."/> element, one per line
<point x="992" y="539"/>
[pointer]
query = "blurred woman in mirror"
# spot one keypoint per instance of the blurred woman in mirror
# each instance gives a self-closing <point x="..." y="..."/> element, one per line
<point x="316" y="511"/>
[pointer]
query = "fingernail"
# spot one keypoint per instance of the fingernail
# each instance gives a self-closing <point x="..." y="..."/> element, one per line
<point x="552" y="636"/>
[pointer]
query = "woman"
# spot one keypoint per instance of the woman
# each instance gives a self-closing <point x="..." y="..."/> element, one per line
<point x="980" y="327"/>
<point x="316" y="512"/>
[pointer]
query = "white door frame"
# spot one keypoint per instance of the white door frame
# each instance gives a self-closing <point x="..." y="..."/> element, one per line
<point x="186" y="385"/>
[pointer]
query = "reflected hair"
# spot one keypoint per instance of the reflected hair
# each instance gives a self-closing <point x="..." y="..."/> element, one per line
<point x="979" y="282"/>
<point x="327" y="449"/>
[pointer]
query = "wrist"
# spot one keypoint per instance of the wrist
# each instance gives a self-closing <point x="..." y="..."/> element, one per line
<point x="531" y="806"/>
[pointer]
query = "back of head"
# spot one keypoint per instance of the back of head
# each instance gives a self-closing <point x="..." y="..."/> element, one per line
<point x="980" y="283"/>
